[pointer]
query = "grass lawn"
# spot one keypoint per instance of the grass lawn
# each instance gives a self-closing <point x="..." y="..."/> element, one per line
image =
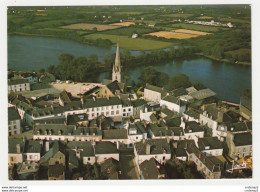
<point x="198" y="27"/>
<point x="132" y="44"/>
<point x="232" y="20"/>
<point x="128" y="31"/>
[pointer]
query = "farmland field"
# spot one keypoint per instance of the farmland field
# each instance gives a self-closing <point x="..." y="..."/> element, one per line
<point x="132" y="44"/>
<point x="198" y="27"/>
<point x="125" y="24"/>
<point x="235" y="20"/>
<point x="86" y="26"/>
<point x="205" y="17"/>
<point x="172" y="35"/>
<point x="130" y="30"/>
<point x="190" y="32"/>
<point x="178" y="15"/>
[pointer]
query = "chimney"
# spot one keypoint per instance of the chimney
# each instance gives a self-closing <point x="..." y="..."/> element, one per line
<point x="148" y="149"/>
<point x="52" y="107"/>
<point x="18" y="148"/>
<point x="47" y="146"/>
<point x="117" y="145"/>
<point x="82" y="100"/>
<point x="99" y="124"/>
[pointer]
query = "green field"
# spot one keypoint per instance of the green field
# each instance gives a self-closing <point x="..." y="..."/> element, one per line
<point x="128" y="31"/>
<point x="178" y="15"/>
<point x="232" y="20"/>
<point x="55" y="23"/>
<point x="132" y="44"/>
<point x="197" y="27"/>
<point x="129" y="13"/>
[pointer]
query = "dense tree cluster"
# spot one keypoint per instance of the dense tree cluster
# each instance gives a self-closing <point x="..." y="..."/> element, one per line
<point x="180" y="80"/>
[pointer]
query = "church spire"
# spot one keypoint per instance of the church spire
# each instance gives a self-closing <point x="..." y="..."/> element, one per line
<point x="116" y="72"/>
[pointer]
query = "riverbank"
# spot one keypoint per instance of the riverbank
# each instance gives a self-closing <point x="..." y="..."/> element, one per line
<point x="224" y="60"/>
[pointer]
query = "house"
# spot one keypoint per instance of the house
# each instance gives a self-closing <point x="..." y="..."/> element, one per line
<point x="56" y="172"/>
<point x="84" y="151"/>
<point x="210" y="146"/>
<point x="167" y="113"/>
<point x="135" y="35"/>
<point x="154" y="93"/>
<point x="28" y="170"/>
<point x="136" y="132"/>
<point x="66" y="132"/>
<point x="202" y="94"/>
<point x="14" y="121"/>
<point x="78" y="119"/>
<point x="64" y="97"/>
<point x="179" y="149"/>
<point x="18" y="85"/>
<point x="110" y="169"/>
<point x="245" y="108"/>
<point x="15" y="151"/>
<point x="138" y="105"/>
<point x="239" y="144"/>
<point x="151" y="169"/>
<point x="156" y="132"/>
<point x="118" y="136"/>
<point x="32" y="77"/>
<point x="156" y="148"/>
<point x="127" y="108"/>
<point x="111" y="89"/>
<point x="191" y="115"/>
<point x="146" y="113"/>
<point x="105" y="150"/>
<point x="173" y="103"/>
<point x="210" y="169"/>
<point x="211" y="116"/>
<point x="193" y="130"/>
<point x="33" y="150"/>
<point x="223" y="128"/>
<point x="54" y="154"/>
<point x="73" y="160"/>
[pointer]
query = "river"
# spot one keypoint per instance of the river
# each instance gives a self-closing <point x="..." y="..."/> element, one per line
<point x="34" y="53"/>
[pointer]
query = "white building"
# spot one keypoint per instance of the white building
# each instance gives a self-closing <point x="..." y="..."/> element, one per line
<point x="156" y="148"/>
<point x="173" y="104"/>
<point x="14" y="121"/>
<point x="210" y="146"/>
<point x="154" y="93"/>
<point x="18" y="85"/>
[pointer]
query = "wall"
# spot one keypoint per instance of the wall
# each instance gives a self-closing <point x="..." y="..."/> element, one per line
<point x="152" y="95"/>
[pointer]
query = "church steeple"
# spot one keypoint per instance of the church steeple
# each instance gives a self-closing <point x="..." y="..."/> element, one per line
<point x="116" y="72"/>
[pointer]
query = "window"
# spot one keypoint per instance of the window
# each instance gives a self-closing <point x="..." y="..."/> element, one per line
<point x="163" y="157"/>
<point x="98" y="109"/>
<point x="112" y="112"/>
<point x="136" y="138"/>
<point x="89" y="159"/>
<point x="102" y="108"/>
<point x="129" y="109"/>
<point x="117" y="112"/>
<point x="117" y="106"/>
<point x="112" y="107"/>
<point x="124" y="110"/>
<point x="107" y="113"/>
<point x="93" y="114"/>
<point x="124" y="114"/>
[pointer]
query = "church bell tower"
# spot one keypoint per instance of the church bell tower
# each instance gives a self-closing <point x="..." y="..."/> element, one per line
<point x="116" y="72"/>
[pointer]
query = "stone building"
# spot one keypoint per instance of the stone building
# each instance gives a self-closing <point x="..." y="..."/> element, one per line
<point x="18" y="85"/>
<point x="116" y="72"/>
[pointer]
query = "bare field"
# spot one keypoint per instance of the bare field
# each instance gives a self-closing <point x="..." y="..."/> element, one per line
<point x="124" y="24"/>
<point x="178" y="34"/>
<point x="205" y="17"/>
<point x="172" y="35"/>
<point x="86" y="26"/>
<point x="190" y="32"/>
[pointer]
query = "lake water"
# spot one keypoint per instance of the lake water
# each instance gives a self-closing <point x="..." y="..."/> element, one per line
<point x="227" y="80"/>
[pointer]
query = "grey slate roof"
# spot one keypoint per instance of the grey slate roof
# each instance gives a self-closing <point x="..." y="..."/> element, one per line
<point x="64" y="95"/>
<point x="184" y="143"/>
<point x="203" y="158"/>
<point x="138" y="102"/>
<point x="105" y="148"/>
<point x="149" y="169"/>
<point x="202" y="94"/>
<point x="180" y="152"/>
<point x="193" y="126"/>
<point x="13" y="114"/>
<point x="173" y="122"/>
<point x="33" y="147"/>
<point x="211" y="142"/>
<point x="99" y="102"/>
<point x="173" y="99"/>
<point x="156" y="89"/>
<point x="110" y="167"/>
<point x="168" y="112"/>
<point x="241" y="139"/>
<point x="113" y="86"/>
<point x="56" y="170"/>
<point x="157" y="146"/>
<point x="18" y="81"/>
<point x="115" y="134"/>
<point x="179" y="92"/>
<point x="192" y="114"/>
<point x="75" y="118"/>
<point x="165" y="131"/>
<point x="12" y="145"/>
